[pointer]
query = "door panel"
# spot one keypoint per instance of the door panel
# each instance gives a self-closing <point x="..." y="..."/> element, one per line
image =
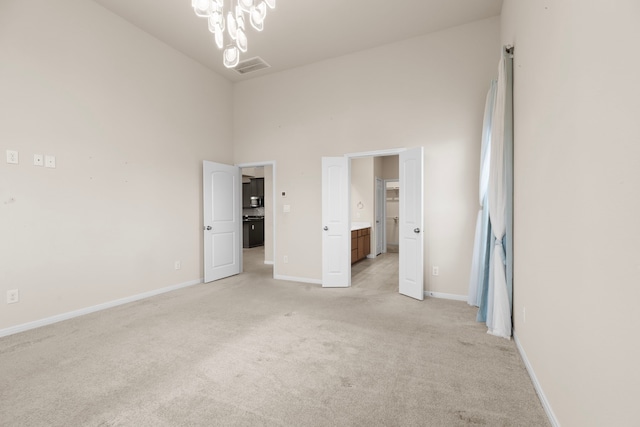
<point x="336" y="237"/>
<point x="411" y="239"/>
<point x="222" y="221"/>
<point x="380" y="201"/>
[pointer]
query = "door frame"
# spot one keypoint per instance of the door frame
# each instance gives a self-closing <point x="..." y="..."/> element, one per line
<point x="271" y="163"/>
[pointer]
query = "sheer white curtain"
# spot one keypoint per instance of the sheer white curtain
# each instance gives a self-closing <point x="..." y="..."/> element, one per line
<point x="476" y="279"/>
<point x="499" y="315"/>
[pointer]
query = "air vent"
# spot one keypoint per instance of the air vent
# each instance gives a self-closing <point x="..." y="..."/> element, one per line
<point x="250" y="65"/>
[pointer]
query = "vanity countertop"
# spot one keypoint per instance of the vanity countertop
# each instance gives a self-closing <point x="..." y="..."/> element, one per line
<point x="360" y="225"/>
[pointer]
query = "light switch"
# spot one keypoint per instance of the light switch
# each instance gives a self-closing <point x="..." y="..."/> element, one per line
<point x="50" y="161"/>
<point x="12" y="157"/>
<point x="286" y="208"/>
<point x="38" y="160"/>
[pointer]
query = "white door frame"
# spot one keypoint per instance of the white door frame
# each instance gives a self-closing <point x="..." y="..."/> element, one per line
<point x="271" y="163"/>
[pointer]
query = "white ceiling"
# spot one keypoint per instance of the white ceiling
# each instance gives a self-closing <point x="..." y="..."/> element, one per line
<point x="300" y="32"/>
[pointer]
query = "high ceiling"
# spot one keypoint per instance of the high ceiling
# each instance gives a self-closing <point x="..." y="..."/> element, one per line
<point x="300" y="32"/>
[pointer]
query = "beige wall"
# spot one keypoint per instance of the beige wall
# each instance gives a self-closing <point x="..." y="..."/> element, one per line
<point x="362" y="190"/>
<point x="427" y="91"/>
<point x="577" y="205"/>
<point x="390" y="167"/>
<point x="129" y="121"/>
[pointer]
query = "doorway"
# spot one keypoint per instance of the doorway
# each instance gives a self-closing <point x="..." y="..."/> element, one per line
<point x="379" y="270"/>
<point x="258" y="219"/>
<point x="336" y="218"/>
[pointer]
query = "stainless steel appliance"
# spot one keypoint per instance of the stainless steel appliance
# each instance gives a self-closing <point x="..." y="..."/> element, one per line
<point x="256" y="201"/>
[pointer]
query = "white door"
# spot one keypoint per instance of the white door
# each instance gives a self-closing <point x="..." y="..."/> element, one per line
<point x="222" y="221"/>
<point x="380" y="201"/>
<point x="336" y="235"/>
<point x="411" y="227"/>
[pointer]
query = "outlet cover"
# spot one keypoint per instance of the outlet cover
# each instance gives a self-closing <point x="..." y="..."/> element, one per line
<point x="12" y="157"/>
<point x="13" y="296"/>
<point x="49" y="161"/>
<point x="38" y="160"/>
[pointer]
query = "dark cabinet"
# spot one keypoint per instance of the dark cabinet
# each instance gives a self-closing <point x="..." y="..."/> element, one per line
<point x="253" y="188"/>
<point x="246" y="195"/>
<point x="252" y="233"/>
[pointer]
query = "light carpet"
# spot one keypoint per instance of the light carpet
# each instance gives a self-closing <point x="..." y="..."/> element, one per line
<point x="253" y="351"/>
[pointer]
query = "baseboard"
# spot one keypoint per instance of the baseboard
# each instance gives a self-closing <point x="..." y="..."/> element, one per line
<point x="81" y="312"/>
<point x="297" y="279"/>
<point x="543" y="398"/>
<point x="441" y="295"/>
<point x="269" y="262"/>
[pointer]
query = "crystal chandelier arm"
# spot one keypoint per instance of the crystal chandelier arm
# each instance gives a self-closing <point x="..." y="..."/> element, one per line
<point x="232" y="19"/>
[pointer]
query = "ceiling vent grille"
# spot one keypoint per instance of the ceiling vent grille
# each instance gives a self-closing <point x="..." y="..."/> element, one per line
<point x="250" y="65"/>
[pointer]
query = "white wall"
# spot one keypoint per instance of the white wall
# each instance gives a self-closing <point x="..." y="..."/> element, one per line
<point x="428" y="91"/>
<point x="130" y="121"/>
<point x="577" y="203"/>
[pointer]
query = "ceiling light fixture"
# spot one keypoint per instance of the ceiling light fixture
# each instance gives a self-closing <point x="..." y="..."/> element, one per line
<point x="229" y="15"/>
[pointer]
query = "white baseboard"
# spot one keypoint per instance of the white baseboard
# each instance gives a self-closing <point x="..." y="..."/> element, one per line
<point x="543" y="398"/>
<point x="81" y="312"/>
<point x="268" y="262"/>
<point x="441" y="295"/>
<point x="297" y="279"/>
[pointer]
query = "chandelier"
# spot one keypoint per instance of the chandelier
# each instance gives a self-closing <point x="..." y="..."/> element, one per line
<point x="231" y="16"/>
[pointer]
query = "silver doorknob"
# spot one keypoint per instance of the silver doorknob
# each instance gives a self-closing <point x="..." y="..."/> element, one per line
<point x="326" y="228"/>
<point x="416" y="230"/>
<point x="208" y="227"/>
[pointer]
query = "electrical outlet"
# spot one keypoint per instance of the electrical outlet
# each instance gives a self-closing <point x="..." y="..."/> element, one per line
<point x="435" y="271"/>
<point x="38" y="160"/>
<point x="12" y="157"/>
<point x="49" y="161"/>
<point x="285" y="259"/>
<point x="13" y="296"/>
<point x="177" y="265"/>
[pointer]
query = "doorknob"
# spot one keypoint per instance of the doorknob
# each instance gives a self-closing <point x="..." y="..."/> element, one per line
<point x="416" y="230"/>
<point x="208" y="227"/>
<point x="326" y="228"/>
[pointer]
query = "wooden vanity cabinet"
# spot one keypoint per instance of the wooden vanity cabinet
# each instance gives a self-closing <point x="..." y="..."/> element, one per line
<point x="360" y="244"/>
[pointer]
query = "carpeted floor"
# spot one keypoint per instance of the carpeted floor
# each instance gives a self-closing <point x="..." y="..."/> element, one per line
<point x="252" y="351"/>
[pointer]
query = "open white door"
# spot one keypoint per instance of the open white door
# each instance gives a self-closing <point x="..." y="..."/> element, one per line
<point x="411" y="239"/>
<point x="380" y="201"/>
<point x="336" y="236"/>
<point x="222" y="221"/>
